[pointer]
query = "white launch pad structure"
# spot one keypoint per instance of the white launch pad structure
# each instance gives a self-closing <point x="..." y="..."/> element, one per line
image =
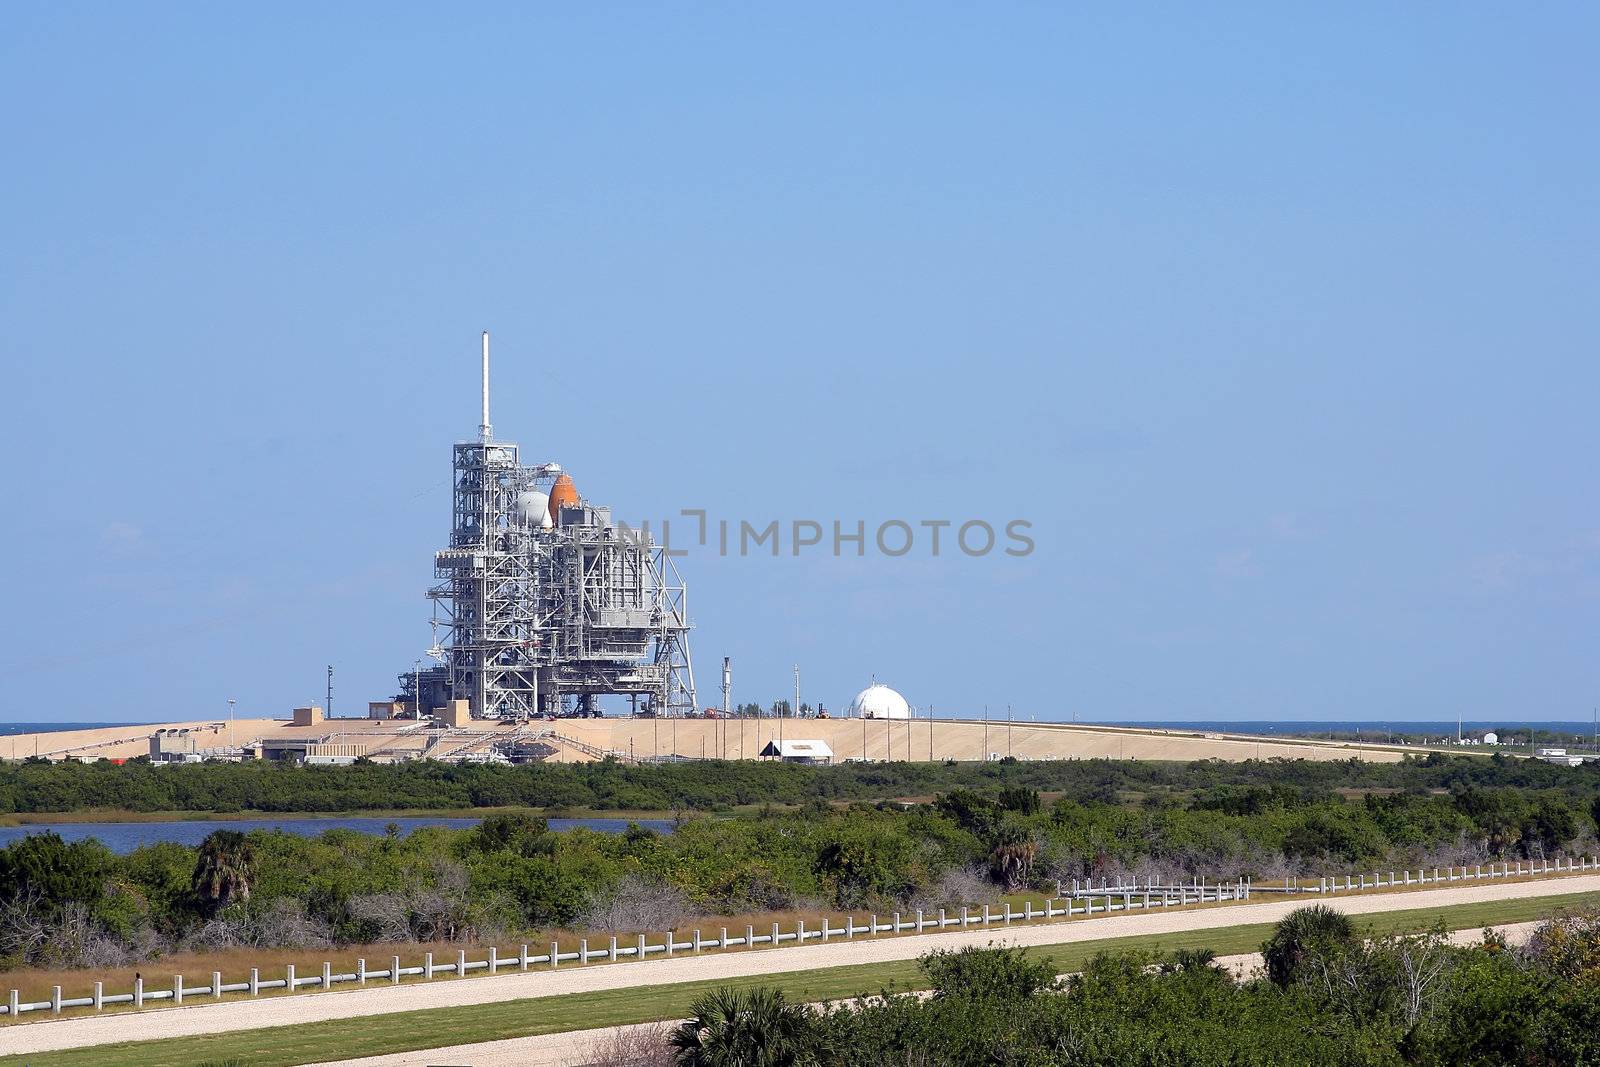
<point x="547" y="602"/>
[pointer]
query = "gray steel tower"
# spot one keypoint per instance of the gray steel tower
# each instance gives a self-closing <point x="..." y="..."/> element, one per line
<point x="548" y="602"/>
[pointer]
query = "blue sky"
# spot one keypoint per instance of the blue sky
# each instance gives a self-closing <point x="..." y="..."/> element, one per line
<point x="1279" y="327"/>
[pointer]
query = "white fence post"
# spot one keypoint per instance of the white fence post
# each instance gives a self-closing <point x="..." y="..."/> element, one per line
<point x="427" y="965"/>
<point x="288" y="985"/>
<point x="138" y="992"/>
<point x="583" y="950"/>
<point x="461" y="963"/>
<point x="494" y="959"/>
<point x="394" y="970"/>
<point x="522" y="961"/>
<point x="177" y="989"/>
<point x="16" y="1000"/>
<point x="361" y="971"/>
<point x="99" y="995"/>
<point x="55" y="999"/>
<point x="255" y="981"/>
<point x="555" y="954"/>
<point x="327" y="975"/>
<point x="800" y="932"/>
<point x="613" y="948"/>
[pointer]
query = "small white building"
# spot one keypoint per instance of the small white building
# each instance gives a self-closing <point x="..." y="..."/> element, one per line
<point x="812" y="752"/>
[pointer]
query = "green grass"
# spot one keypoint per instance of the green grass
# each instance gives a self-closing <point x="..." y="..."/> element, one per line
<point x="439" y="1027"/>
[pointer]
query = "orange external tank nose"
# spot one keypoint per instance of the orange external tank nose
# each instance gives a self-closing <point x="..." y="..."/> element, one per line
<point x="562" y="494"/>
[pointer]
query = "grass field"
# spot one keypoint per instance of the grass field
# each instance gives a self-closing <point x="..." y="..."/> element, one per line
<point x="401" y="1032"/>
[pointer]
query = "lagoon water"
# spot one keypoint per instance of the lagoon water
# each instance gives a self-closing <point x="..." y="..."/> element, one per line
<point x="127" y="836"/>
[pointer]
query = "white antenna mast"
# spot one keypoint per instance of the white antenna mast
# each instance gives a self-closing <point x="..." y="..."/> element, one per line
<point x="484" y="431"/>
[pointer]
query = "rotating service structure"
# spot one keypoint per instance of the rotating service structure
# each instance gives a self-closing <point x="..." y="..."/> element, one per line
<point x="546" y="601"/>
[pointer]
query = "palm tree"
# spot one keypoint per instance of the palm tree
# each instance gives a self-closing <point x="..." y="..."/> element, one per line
<point x="755" y="1028"/>
<point x="1011" y="860"/>
<point x="1190" y="960"/>
<point x="1302" y="933"/>
<point x="223" y="870"/>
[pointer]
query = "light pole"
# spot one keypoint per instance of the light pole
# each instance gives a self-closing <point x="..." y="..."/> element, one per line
<point x="233" y="741"/>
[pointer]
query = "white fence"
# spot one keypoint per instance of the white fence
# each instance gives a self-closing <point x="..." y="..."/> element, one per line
<point x="1081" y="901"/>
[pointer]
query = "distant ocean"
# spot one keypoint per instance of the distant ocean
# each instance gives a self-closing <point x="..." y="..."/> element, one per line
<point x="1374" y="726"/>
<point x="56" y="727"/>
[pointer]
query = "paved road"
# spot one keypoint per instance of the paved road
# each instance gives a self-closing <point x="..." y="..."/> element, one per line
<point x="581" y="1047"/>
<point x="235" y="1015"/>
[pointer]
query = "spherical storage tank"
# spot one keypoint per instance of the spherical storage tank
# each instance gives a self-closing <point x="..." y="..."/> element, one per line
<point x="878" y="701"/>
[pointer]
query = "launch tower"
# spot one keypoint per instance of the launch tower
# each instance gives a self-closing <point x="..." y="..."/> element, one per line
<point x="546" y="601"/>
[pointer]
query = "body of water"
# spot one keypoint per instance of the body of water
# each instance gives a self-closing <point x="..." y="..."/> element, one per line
<point x="55" y="727"/>
<point x="127" y="836"/>
<point x="1375" y="727"/>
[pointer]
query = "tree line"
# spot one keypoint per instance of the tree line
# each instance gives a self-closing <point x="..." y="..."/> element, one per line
<point x="37" y="786"/>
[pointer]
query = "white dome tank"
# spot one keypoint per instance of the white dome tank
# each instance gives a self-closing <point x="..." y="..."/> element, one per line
<point x="533" y="508"/>
<point x="878" y="701"/>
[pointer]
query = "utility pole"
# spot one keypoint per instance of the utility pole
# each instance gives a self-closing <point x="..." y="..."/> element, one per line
<point x="329" y="712"/>
<point x="727" y="691"/>
<point x="930" y="733"/>
<point x="1008" y="731"/>
<point x="233" y="740"/>
<point x="796" y="708"/>
<point x="985" y="755"/>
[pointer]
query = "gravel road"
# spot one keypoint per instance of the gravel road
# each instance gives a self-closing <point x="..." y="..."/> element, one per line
<point x="572" y="1049"/>
<point x="235" y="1015"/>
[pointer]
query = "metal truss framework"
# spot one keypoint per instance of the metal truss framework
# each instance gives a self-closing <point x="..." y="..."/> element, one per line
<point x="542" y="617"/>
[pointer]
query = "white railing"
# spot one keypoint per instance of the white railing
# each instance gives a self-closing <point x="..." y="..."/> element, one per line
<point x="1081" y="900"/>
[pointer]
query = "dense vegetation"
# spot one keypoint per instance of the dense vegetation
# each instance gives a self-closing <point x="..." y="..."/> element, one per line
<point x="80" y="904"/>
<point x="1331" y="999"/>
<point x="34" y="786"/>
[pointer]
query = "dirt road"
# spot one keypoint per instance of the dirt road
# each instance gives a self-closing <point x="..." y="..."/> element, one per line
<point x="235" y="1015"/>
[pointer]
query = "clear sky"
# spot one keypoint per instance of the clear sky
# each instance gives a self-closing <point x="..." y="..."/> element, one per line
<point x="1279" y="327"/>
